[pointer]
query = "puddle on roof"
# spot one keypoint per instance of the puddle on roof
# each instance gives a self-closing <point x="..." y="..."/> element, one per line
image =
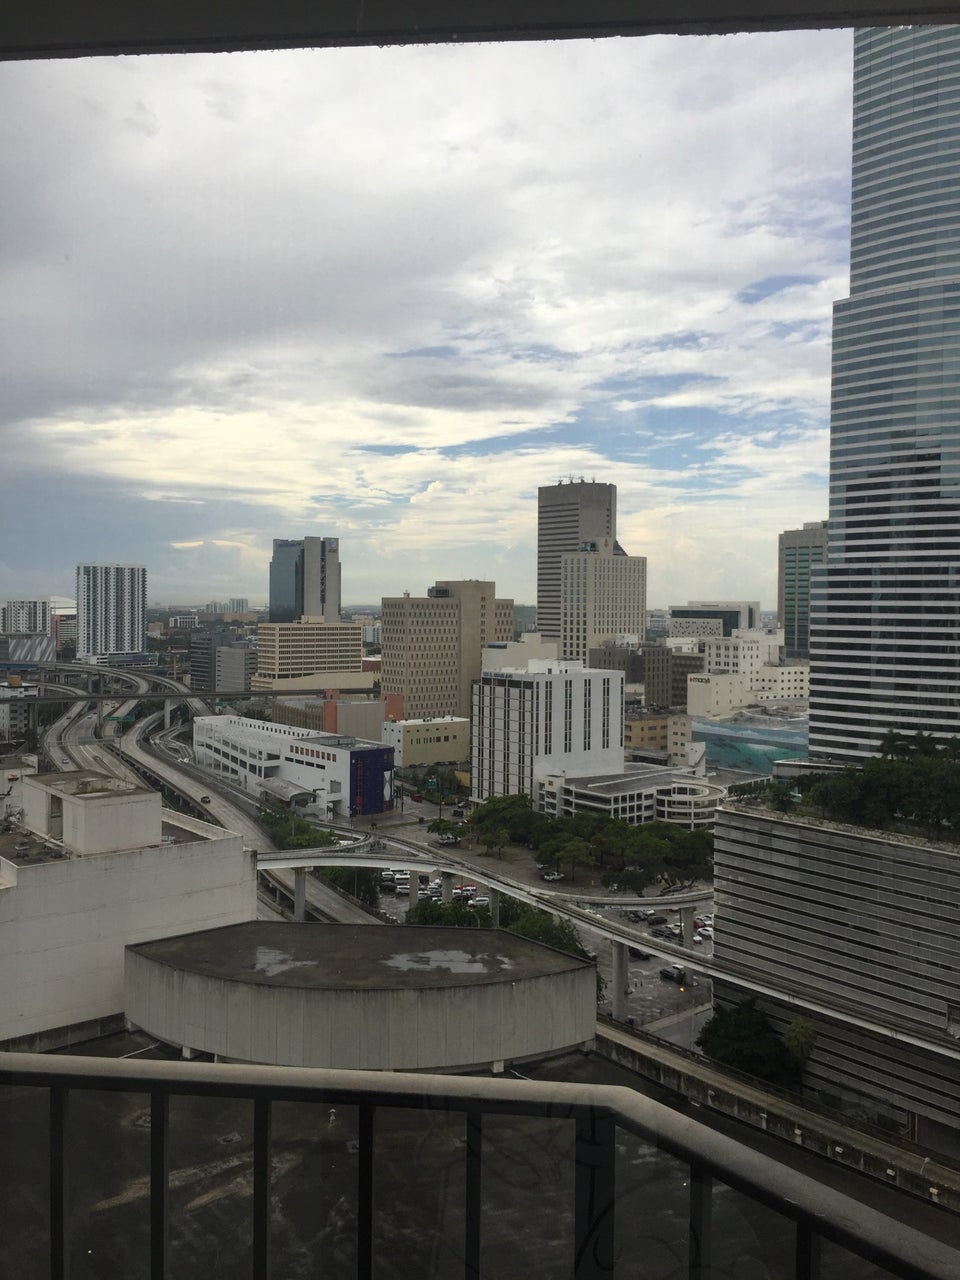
<point x="271" y="961"/>
<point x="452" y="961"/>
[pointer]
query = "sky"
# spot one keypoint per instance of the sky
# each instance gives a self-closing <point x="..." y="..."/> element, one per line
<point x="383" y="294"/>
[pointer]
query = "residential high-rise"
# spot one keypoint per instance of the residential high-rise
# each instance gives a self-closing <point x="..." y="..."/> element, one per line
<point x="305" y="579"/>
<point x="569" y="514"/>
<point x="111" y="609"/>
<point x="602" y="596"/>
<point x="23" y="617"/>
<point x="799" y="552"/>
<point x="432" y="645"/>
<point x="885" y="614"/>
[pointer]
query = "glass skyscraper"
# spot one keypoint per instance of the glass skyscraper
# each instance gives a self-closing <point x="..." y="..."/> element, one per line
<point x="885" y="621"/>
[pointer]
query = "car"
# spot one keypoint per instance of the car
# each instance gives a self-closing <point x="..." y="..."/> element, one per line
<point x="204" y="799"/>
<point x="705" y="931"/>
<point x="636" y="954"/>
<point x="655" y="919"/>
<point x="481" y="900"/>
<point x="662" y="932"/>
<point x="674" y="973"/>
<point x="552" y="876"/>
<point x="416" y="796"/>
<point x="458" y="813"/>
<point x="448" y="838"/>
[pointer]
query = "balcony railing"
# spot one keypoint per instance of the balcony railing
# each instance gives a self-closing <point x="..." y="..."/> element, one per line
<point x="638" y="1188"/>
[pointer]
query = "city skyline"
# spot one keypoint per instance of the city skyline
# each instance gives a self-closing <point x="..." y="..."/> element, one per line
<point x="226" y="322"/>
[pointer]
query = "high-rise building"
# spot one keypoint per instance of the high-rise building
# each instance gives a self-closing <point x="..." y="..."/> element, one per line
<point x="569" y="514"/>
<point x="885" y="614"/>
<point x="800" y="551"/>
<point x="23" y="617"/>
<point x="602" y="596"/>
<point x="305" y="579"/>
<point x="111" y="609"/>
<point x="432" y="645"/>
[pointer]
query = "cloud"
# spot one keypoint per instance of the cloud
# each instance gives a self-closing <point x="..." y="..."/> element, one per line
<point x="386" y="293"/>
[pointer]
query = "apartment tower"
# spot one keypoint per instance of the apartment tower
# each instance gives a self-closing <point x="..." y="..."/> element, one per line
<point x="569" y="514"/>
<point x="885" y="613"/>
<point x="111" y="609"/>
<point x="602" y="596"/>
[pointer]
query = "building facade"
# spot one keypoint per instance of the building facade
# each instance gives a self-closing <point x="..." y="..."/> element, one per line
<point x="855" y="931"/>
<point x="310" y="646"/>
<point x="23" y="616"/>
<point x="569" y="514"/>
<point x="305" y="579"/>
<point x="350" y="776"/>
<point x="602" y="596"/>
<point x="800" y="551"/>
<point x="91" y="865"/>
<point x="885" y="616"/>
<point x="704" y="619"/>
<point x="445" y="740"/>
<point x="550" y="717"/>
<point x="111" y="609"/>
<point x="431" y="651"/>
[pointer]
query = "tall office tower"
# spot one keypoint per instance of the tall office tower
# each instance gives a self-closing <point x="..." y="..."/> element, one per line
<point x="885" y="616"/>
<point x="602" y="596"/>
<point x="431" y="647"/>
<point x="305" y="579"/>
<point x="111" y="609"/>
<point x="800" y="550"/>
<point x="21" y="617"/>
<point x="568" y="515"/>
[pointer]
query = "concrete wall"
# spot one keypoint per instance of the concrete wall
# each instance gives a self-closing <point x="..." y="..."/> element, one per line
<point x="65" y="923"/>
<point x="436" y="1028"/>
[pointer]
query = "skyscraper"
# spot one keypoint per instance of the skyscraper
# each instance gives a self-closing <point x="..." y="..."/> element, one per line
<point x="885" y="614"/>
<point x="569" y="514"/>
<point x="305" y="579"/>
<point x="111" y="609"/>
<point x="800" y="550"/>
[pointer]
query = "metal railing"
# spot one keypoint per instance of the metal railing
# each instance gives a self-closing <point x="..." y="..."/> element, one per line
<point x="601" y="1117"/>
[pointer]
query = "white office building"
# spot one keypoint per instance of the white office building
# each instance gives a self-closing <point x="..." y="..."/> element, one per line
<point x="551" y="717"/>
<point x="111" y="609"/>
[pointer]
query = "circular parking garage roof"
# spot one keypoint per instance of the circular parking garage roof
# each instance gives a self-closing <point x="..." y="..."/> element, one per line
<point x="361" y="996"/>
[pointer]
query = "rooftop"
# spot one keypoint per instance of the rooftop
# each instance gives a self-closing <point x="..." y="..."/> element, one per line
<point x="356" y="957"/>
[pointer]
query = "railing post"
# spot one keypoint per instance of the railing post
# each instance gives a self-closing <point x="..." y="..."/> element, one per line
<point x="595" y="1195"/>
<point x="59" y="1226"/>
<point x="473" y="1192"/>
<point x="365" y="1194"/>
<point x="261" y="1189"/>
<point x="700" y="1235"/>
<point x="807" y="1257"/>
<point x="159" y="1123"/>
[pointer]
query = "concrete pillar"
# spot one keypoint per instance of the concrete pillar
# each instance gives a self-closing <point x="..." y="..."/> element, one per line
<point x="687" y="915"/>
<point x="300" y="893"/>
<point x="167" y="706"/>
<point x="414" y="886"/>
<point x="446" y="886"/>
<point x="494" y="907"/>
<point x="618" y="980"/>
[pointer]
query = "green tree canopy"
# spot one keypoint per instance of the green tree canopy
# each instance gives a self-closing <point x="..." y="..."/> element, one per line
<point x="742" y="1037"/>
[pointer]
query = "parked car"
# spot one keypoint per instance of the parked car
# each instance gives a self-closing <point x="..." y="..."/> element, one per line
<point x="204" y="799"/>
<point x="416" y="796"/>
<point x="552" y="876"/>
<point x="674" y="973"/>
<point x="636" y="954"/>
<point x="480" y="901"/>
<point x="655" y="919"/>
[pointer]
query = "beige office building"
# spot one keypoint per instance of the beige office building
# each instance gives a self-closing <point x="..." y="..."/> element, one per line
<point x="432" y="645"/>
<point x="602" y="595"/>
<point x="295" y="651"/>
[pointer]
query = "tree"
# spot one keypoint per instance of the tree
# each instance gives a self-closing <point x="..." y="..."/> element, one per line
<point x="575" y="853"/>
<point x="800" y="1038"/>
<point x="743" y="1038"/>
<point x="453" y="914"/>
